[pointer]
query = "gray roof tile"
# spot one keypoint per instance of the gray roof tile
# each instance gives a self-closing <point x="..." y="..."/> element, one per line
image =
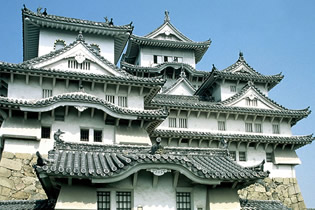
<point x="262" y="205"/>
<point x="27" y="204"/>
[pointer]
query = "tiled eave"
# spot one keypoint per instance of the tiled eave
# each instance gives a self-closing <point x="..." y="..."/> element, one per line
<point x="217" y="108"/>
<point x="33" y="21"/>
<point x="108" y="163"/>
<point x="83" y="99"/>
<point x="200" y="48"/>
<point x="160" y="67"/>
<point x="255" y="138"/>
<point x="262" y="204"/>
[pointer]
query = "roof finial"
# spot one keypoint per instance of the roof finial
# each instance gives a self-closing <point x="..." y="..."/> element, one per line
<point x="213" y="67"/>
<point x="111" y="23"/>
<point x="45" y="12"/>
<point x="241" y="56"/>
<point x="183" y="74"/>
<point x="106" y="20"/>
<point x="80" y="36"/>
<point x="167" y="17"/>
<point x="39" y="10"/>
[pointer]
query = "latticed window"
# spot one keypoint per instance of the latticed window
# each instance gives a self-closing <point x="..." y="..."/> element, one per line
<point x="98" y="136"/>
<point x="183" y="201"/>
<point x="123" y="200"/>
<point x="110" y="98"/>
<point x="269" y="157"/>
<point x="248" y="127"/>
<point x="258" y="128"/>
<point x="172" y="122"/>
<point x="45" y="133"/>
<point x="122" y="101"/>
<point x="233" y="88"/>
<point x="275" y="129"/>
<point x="84" y="134"/>
<point x="233" y="155"/>
<point x="73" y="64"/>
<point x="103" y="200"/>
<point x="46" y="93"/>
<point x="221" y="125"/>
<point x="242" y="156"/>
<point x="182" y="123"/>
<point x="254" y="102"/>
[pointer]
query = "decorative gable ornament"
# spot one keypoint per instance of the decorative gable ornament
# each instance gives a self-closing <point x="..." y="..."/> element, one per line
<point x="159" y="172"/>
<point x="81" y="108"/>
<point x="80" y="58"/>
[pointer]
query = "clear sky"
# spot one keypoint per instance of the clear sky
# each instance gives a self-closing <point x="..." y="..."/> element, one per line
<point x="274" y="35"/>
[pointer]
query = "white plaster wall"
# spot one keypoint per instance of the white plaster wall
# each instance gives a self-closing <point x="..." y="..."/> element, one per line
<point x="132" y="135"/>
<point x="148" y="52"/>
<point x="47" y="38"/>
<point x="224" y="199"/>
<point x="70" y="197"/>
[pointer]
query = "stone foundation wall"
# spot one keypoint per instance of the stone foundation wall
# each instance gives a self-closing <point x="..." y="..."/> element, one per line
<point x="285" y="190"/>
<point x="18" y="180"/>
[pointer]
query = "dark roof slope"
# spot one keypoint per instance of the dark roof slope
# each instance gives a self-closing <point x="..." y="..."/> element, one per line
<point x="262" y="205"/>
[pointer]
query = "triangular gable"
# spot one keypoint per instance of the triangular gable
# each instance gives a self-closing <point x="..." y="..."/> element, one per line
<point x="251" y="97"/>
<point x="181" y="87"/>
<point x="80" y="53"/>
<point x="168" y="32"/>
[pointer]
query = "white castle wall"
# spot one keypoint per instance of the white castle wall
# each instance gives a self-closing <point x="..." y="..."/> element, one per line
<point x="47" y="38"/>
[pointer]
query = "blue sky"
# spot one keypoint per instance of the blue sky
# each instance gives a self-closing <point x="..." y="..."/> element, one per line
<point x="275" y="36"/>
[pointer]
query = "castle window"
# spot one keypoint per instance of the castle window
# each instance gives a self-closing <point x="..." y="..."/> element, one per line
<point x="233" y="88"/>
<point x="242" y="156"/>
<point x="98" y="135"/>
<point x="84" y="135"/>
<point x="123" y="200"/>
<point x="165" y="59"/>
<point x="182" y="123"/>
<point x="258" y="128"/>
<point x="275" y="129"/>
<point x="122" y="101"/>
<point x="103" y="200"/>
<point x="221" y="125"/>
<point x="110" y="98"/>
<point x="248" y="127"/>
<point x="178" y="59"/>
<point x="45" y="132"/>
<point x="59" y="44"/>
<point x="172" y="122"/>
<point x="251" y="102"/>
<point x="73" y="64"/>
<point x="157" y="59"/>
<point x="46" y="93"/>
<point x="269" y="157"/>
<point x="183" y="201"/>
<point x="233" y="155"/>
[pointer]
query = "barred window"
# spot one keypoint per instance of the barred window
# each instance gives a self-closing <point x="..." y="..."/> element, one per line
<point x="247" y="101"/>
<point x="172" y="122"/>
<point x="242" y="156"/>
<point x="269" y="157"/>
<point x="110" y="98"/>
<point x="84" y="134"/>
<point x="233" y="155"/>
<point x="250" y="102"/>
<point x="122" y="101"/>
<point x="98" y="136"/>
<point x="123" y="200"/>
<point x="45" y="133"/>
<point x="183" y="201"/>
<point x="258" y="128"/>
<point x="254" y="102"/>
<point x="103" y="200"/>
<point x="233" y="88"/>
<point x="46" y="93"/>
<point x="221" y="125"/>
<point x="182" y="123"/>
<point x="73" y="64"/>
<point x="248" y="127"/>
<point x="275" y="129"/>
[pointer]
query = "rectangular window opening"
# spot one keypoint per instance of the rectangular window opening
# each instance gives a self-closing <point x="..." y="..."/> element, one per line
<point x="233" y="155"/>
<point x="46" y="93"/>
<point x="172" y="122"/>
<point x="103" y="200"/>
<point x="98" y="135"/>
<point x="221" y="125"/>
<point x="182" y="123"/>
<point x="45" y="133"/>
<point x="275" y="129"/>
<point x="183" y="201"/>
<point x="258" y="128"/>
<point x="110" y="98"/>
<point x="233" y="88"/>
<point x="84" y="135"/>
<point x="248" y="127"/>
<point x="242" y="156"/>
<point x="123" y="200"/>
<point x="269" y="157"/>
<point x="122" y="101"/>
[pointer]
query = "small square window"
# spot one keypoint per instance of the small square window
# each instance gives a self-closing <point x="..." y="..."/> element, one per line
<point x="221" y="125"/>
<point x="46" y="93"/>
<point x="182" y="123"/>
<point x="122" y="101"/>
<point x="242" y="156"/>
<point x="123" y="200"/>
<point x="155" y="59"/>
<point x="248" y="127"/>
<point x="45" y="133"/>
<point x="110" y="98"/>
<point x="84" y="135"/>
<point x="98" y="135"/>
<point x="275" y="129"/>
<point x="183" y="201"/>
<point x="233" y="88"/>
<point x="233" y="155"/>
<point x="269" y="157"/>
<point x="103" y="200"/>
<point x="172" y="122"/>
<point x="258" y="128"/>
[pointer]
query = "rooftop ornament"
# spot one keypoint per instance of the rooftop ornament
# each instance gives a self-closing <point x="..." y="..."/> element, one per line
<point x="157" y="148"/>
<point x="223" y="143"/>
<point x="241" y="56"/>
<point x="80" y="36"/>
<point x="182" y="74"/>
<point x="213" y="67"/>
<point x="167" y="17"/>
<point x="57" y="135"/>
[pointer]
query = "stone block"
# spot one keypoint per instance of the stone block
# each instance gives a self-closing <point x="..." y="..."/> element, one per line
<point x="302" y="206"/>
<point x="20" y="186"/>
<point x="297" y="188"/>
<point x="286" y="181"/>
<point x="5" y="182"/>
<point x="300" y="197"/>
<point x="4" y="198"/>
<point x="5" y="191"/>
<point x="29" y="180"/>
<point x="268" y="180"/>
<point x="291" y="190"/>
<point x="260" y="188"/>
<point x="38" y="196"/>
<point x="24" y="156"/>
<point x="287" y="202"/>
<point x="17" y="174"/>
<point x="278" y="180"/>
<point x="10" y="164"/>
<point x="295" y="206"/>
<point x="5" y="172"/>
<point x="20" y="195"/>
<point x="30" y="189"/>
<point x="8" y="155"/>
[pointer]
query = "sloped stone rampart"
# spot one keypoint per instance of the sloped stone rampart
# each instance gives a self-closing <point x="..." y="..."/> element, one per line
<point x="18" y="180"/>
<point x="285" y="190"/>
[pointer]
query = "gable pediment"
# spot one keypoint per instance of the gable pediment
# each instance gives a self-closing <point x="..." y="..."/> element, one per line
<point x="167" y="32"/>
<point x="181" y="87"/>
<point x="78" y="58"/>
<point x="243" y="69"/>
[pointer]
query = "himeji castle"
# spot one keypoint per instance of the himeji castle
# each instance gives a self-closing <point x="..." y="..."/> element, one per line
<point x="96" y="117"/>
